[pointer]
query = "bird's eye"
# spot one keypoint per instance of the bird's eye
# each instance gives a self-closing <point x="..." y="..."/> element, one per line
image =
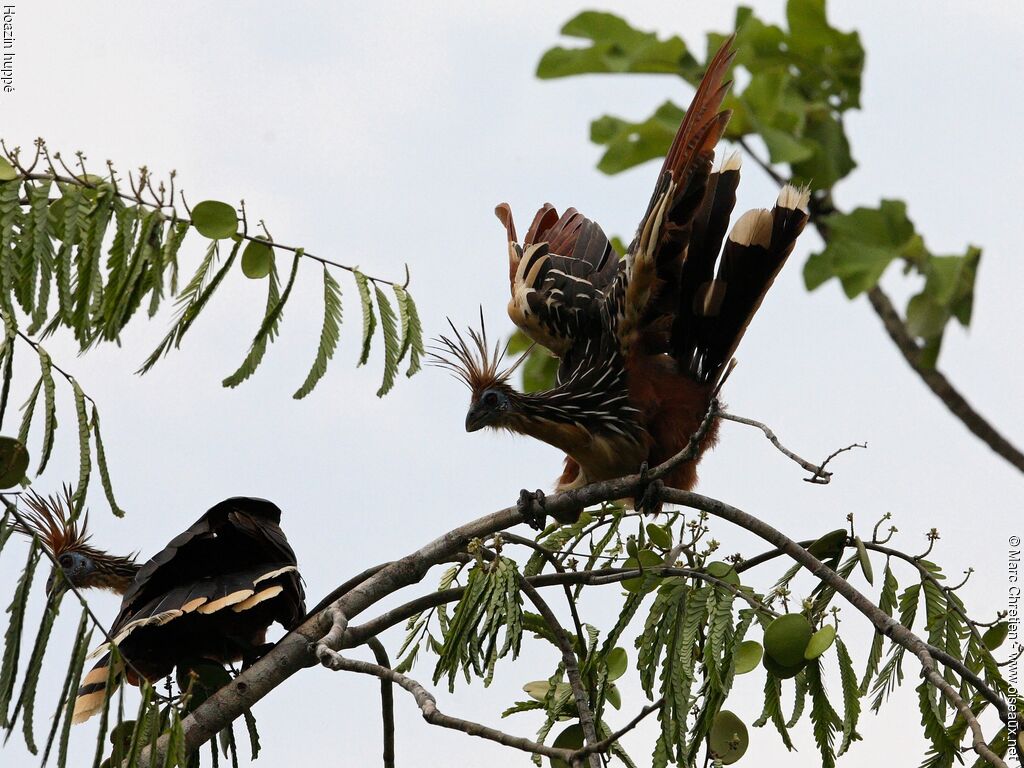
<point x="66" y="561"/>
<point x="490" y="399"/>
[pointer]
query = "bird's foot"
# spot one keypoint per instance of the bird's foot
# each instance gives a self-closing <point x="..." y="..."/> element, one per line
<point x="531" y="507"/>
<point x="648" y="500"/>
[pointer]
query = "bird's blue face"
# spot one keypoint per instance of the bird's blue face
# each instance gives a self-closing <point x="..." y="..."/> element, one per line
<point x="487" y="410"/>
<point x="75" y="569"/>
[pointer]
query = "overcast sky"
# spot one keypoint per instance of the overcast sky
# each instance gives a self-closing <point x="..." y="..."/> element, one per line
<point x="382" y="134"/>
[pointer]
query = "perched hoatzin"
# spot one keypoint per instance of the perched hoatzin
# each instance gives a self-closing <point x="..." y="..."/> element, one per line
<point x="210" y="594"/>
<point x="644" y="342"/>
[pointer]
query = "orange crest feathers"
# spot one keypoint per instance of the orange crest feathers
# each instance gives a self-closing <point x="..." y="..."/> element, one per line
<point x="53" y="522"/>
<point x="475" y="362"/>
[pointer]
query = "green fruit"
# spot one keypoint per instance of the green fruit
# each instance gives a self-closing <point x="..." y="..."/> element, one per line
<point x="659" y="536"/>
<point x="723" y="572"/>
<point x="617" y="662"/>
<point x="820" y="642"/>
<point x="570" y="738"/>
<point x="865" y="561"/>
<point x="729" y="740"/>
<point x="7" y="171"/>
<point x="829" y="545"/>
<point x="748" y="656"/>
<point x="644" y="559"/>
<point x="257" y="259"/>
<point x="13" y="462"/>
<point x="214" y="219"/>
<point x="995" y="635"/>
<point x="786" y="639"/>
<point x="782" y="671"/>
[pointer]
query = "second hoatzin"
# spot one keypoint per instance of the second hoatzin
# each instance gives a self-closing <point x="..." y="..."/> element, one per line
<point x="210" y="594"/>
<point x="645" y="342"/>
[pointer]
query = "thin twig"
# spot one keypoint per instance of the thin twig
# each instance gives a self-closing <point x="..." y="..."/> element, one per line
<point x="818" y="474"/>
<point x="572" y="669"/>
<point x="428" y="706"/>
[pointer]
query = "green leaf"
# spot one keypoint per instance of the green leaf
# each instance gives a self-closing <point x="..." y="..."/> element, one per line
<point x="824" y="719"/>
<point x="628" y="144"/>
<point x="49" y="407"/>
<point x="67" y="698"/>
<point x="84" y="459"/>
<point x="570" y="738"/>
<point x="415" y="337"/>
<point x="328" y="335"/>
<point x="616" y="47"/>
<point x="254" y="736"/>
<point x="861" y="245"/>
<point x="27" y="697"/>
<point x="12" y="637"/>
<point x="257" y="259"/>
<point x="659" y="536"/>
<point x="369" y="318"/>
<point x="851" y="697"/>
<point x="865" y="560"/>
<point x="101" y="462"/>
<point x="391" y="341"/>
<point x="214" y="219"/>
<point x="643" y="583"/>
<point x="268" y="327"/>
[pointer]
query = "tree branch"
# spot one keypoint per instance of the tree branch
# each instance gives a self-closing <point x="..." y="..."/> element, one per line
<point x="572" y="669"/>
<point x="818" y="474"/>
<point x="387" y="702"/>
<point x="884" y="623"/>
<point x="933" y="378"/>
<point x="428" y="706"/>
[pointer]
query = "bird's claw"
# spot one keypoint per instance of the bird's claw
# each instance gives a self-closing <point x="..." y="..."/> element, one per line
<point x="649" y="499"/>
<point x="531" y="507"/>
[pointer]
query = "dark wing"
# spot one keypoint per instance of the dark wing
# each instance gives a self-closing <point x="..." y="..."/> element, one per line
<point x="669" y="298"/>
<point x="557" y="276"/>
<point x="646" y="293"/>
<point x="238" y="539"/>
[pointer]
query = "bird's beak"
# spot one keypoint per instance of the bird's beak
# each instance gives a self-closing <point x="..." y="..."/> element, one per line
<point x="477" y="418"/>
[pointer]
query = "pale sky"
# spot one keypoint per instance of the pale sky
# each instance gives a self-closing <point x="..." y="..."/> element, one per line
<point x="385" y="134"/>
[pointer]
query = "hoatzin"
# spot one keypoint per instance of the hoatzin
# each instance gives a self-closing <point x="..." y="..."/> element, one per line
<point x="644" y="342"/>
<point x="210" y="594"/>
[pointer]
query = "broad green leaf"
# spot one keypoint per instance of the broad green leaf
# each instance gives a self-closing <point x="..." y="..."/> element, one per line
<point x="214" y="219"/>
<point x="629" y="144"/>
<point x="570" y="738"/>
<point x="860" y="246"/>
<point x="659" y="536"/>
<point x="645" y="558"/>
<point x="615" y="47"/>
